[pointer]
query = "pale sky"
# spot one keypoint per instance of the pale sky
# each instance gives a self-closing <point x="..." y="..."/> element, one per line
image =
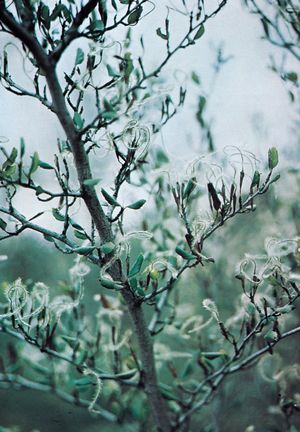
<point x="249" y="103"/>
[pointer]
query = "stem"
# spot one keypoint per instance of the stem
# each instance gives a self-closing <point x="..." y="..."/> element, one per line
<point x="147" y="356"/>
<point x="104" y="229"/>
<point x="95" y="209"/>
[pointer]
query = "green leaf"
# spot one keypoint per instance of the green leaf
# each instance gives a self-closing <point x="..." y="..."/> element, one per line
<point x="71" y="340"/>
<point x="96" y="26"/>
<point x="114" y="5"/>
<point x="102" y="10"/>
<point x="134" y="16"/>
<point x="107" y="105"/>
<point x="22" y="147"/>
<point x="167" y="392"/>
<point x="292" y="76"/>
<point x="76" y="225"/>
<point x="274" y="179"/>
<point x="78" y="120"/>
<point x="48" y="238"/>
<point x="154" y="274"/>
<point x="58" y="216"/>
<point x="285" y="309"/>
<point x="81" y="235"/>
<point x="127" y="375"/>
<point x="10" y="170"/>
<point x="85" y="250"/>
<point x="91" y="182"/>
<point x="200" y="32"/>
<point x="251" y="309"/>
<point x="161" y="34"/>
<point x="110" y="284"/>
<point x="195" y="78"/>
<point x="79" y="56"/>
<point x="82" y="356"/>
<point x="109" y="115"/>
<point x="82" y="382"/>
<point x="133" y="284"/>
<point x="184" y="254"/>
<point x="161" y="158"/>
<point x="272" y="158"/>
<point x="271" y="336"/>
<point x="140" y="292"/>
<point x="56" y="11"/>
<point x="136" y="268"/>
<point x="265" y="26"/>
<point x="45" y="165"/>
<point x="255" y="179"/>
<point x="191" y="184"/>
<point x="3" y="224"/>
<point x="213" y="355"/>
<point x="11" y="158"/>
<point x="128" y="65"/>
<point x="111" y="200"/>
<point x="111" y="71"/>
<point x="45" y="15"/>
<point x="39" y="190"/>
<point x="107" y="248"/>
<point x="201" y="106"/>
<point x="137" y="205"/>
<point x="34" y="163"/>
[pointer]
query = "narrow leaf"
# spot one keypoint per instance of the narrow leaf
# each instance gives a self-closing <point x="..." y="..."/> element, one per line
<point x="110" y="284"/>
<point x="3" y="224"/>
<point x="137" y="205"/>
<point x="48" y="238"/>
<point x="136" y="268"/>
<point x="134" y="17"/>
<point x="111" y="200"/>
<point x="78" y="120"/>
<point x="191" y="184"/>
<point x="22" y="147"/>
<point x="107" y="248"/>
<point x="272" y="158"/>
<point x="45" y="165"/>
<point x="200" y="32"/>
<point x="91" y="182"/>
<point x="58" y="216"/>
<point x="79" y="56"/>
<point x="81" y="235"/>
<point x="85" y="250"/>
<point x="184" y="254"/>
<point x="255" y="179"/>
<point x="35" y="163"/>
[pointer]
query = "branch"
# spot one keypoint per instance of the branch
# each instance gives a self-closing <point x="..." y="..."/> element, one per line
<point x="101" y="222"/>
<point x="54" y="235"/>
<point x="73" y="33"/>
<point x="4" y="328"/>
<point x="18" y="382"/>
<point x="253" y="357"/>
<point x="219" y="375"/>
<point x="184" y="43"/>
<point x="19" y="31"/>
<point x="18" y="90"/>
